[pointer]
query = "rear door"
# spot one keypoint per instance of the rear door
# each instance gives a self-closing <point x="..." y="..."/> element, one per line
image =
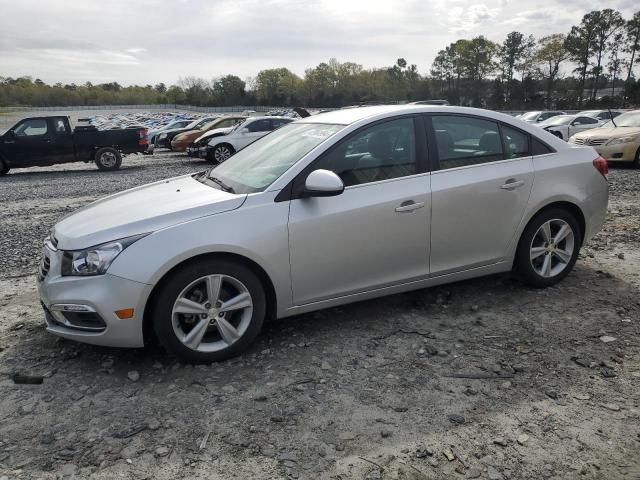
<point x="479" y="191"/>
<point x="62" y="147"/>
<point x="30" y="143"/>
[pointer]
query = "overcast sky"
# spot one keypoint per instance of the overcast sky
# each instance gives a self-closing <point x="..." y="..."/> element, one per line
<point x="151" y="41"/>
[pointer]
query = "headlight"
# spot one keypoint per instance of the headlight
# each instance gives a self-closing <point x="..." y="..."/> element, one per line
<point x="618" y="141"/>
<point x="95" y="260"/>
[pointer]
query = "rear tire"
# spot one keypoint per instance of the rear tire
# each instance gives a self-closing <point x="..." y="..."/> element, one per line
<point x="108" y="159"/>
<point x="548" y="248"/>
<point x="636" y="161"/>
<point x="209" y="311"/>
<point x="4" y="168"/>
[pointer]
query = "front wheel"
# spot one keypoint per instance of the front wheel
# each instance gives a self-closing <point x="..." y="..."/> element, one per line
<point x="220" y="153"/>
<point x="209" y="311"/>
<point x="636" y="161"/>
<point x="4" y="168"/>
<point x="548" y="248"/>
<point x="108" y="159"/>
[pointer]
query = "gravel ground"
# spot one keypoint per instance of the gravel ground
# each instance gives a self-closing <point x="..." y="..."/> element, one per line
<point x="479" y="379"/>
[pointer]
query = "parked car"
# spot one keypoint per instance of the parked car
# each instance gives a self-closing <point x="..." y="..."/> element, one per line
<point x="164" y="138"/>
<point x="601" y="115"/>
<point x="564" y="126"/>
<point x="171" y="126"/>
<point x="181" y="142"/>
<point x="617" y="140"/>
<point x="221" y="147"/>
<point x="334" y="208"/>
<point x="43" y="141"/>
<point x="203" y="140"/>
<point x="539" y="116"/>
<point x="430" y="102"/>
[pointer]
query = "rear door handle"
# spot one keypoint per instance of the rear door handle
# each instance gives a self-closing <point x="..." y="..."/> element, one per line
<point x="409" y="206"/>
<point x="512" y="184"/>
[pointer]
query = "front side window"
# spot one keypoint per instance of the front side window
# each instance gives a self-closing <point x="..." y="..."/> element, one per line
<point x="59" y="126"/>
<point x="259" y="126"/>
<point x="463" y="141"/>
<point x="31" y="128"/>
<point x="257" y="166"/>
<point x="381" y="152"/>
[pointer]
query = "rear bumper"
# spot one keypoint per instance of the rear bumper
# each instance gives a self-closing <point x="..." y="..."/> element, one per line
<point x="624" y="152"/>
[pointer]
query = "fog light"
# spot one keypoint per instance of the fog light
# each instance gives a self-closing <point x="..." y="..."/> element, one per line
<point x="125" y="313"/>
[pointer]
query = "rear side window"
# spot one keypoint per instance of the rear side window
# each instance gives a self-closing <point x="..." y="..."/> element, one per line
<point x="463" y="141"/>
<point x="516" y="143"/>
<point x="31" y="128"/>
<point x="539" y="148"/>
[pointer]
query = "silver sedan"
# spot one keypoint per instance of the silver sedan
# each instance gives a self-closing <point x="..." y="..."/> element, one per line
<point x="335" y="208"/>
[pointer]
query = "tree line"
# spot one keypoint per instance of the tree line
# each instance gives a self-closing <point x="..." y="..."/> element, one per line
<point x="591" y="65"/>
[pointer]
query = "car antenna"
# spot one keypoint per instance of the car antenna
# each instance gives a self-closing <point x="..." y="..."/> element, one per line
<point x="611" y="117"/>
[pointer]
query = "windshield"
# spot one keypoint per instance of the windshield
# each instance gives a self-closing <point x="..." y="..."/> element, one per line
<point x="257" y="166"/>
<point x="557" y="120"/>
<point x="631" y="119"/>
<point x="529" y="115"/>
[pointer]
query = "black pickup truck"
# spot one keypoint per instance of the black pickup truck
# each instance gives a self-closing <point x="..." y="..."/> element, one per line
<point x="41" y="141"/>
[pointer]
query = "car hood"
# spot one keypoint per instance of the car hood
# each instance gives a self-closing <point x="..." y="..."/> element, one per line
<point x="609" y="132"/>
<point x="216" y="132"/>
<point x="142" y="210"/>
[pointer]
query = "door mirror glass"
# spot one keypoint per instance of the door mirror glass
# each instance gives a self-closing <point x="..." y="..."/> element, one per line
<point x="576" y="122"/>
<point x="244" y="131"/>
<point x="323" y="183"/>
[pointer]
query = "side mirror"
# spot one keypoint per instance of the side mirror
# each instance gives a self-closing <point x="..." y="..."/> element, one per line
<point x="244" y="130"/>
<point x="323" y="183"/>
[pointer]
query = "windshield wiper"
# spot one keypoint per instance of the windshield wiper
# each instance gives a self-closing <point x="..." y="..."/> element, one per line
<point x="223" y="185"/>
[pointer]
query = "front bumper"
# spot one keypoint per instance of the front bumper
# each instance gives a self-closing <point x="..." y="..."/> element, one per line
<point x="623" y="152"/>
<point x="96" y="297"/>
<point x="202" y="152"/>
<point x="179" y="146"/>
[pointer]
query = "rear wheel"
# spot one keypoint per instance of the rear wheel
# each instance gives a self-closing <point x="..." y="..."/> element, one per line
<point x="636" y="161"/>
<point x="4" y="168"/>
<point x="209" y="311"/>
<point x="548" y="248"/>
<point x="108" y="159"/>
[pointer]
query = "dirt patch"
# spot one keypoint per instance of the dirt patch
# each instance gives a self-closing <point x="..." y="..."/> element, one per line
<point x="479" y="379"/>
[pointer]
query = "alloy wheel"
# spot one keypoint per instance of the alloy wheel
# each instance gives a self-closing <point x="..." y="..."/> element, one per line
<point x="212" y="313"/>
<point x="552" y="247"/>
<point x="108" y="159"/>
<point x="220" y="154"/>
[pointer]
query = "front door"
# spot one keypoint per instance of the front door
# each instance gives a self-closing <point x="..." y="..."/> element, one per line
<point x="374" y="234"/>
<point x="479" y="193"/>
<point x="29" y="143"/>
<point x="253" y="131"/>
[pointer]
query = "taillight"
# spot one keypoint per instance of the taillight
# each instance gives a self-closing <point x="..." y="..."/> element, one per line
<point x="602" y="166"/>
<point x="143" y="136"/>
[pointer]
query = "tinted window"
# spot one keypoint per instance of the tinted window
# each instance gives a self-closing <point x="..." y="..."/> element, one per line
<point x="539" y="148"/>
<point x="516" y="143"/>
<point x="381" y="152"/>
<point x="587" y="120"/>
<point x="278" y="122"/>
<point x="31" y="128"/>
<point x="465" y="141"/>
<point x="260" y="126"/>
<point x="59" y="126"/>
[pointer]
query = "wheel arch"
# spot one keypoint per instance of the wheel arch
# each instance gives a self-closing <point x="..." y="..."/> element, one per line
<point x="263" y="276"/>
<point x="571" y="207"/>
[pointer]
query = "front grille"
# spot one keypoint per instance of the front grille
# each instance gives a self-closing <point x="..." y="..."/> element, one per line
<point x="578" y="141"/>
<point x="45" y="265"/>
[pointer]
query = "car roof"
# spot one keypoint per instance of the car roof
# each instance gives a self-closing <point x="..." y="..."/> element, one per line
<point x="348" y="116"/>
<point x="269" y="117"/>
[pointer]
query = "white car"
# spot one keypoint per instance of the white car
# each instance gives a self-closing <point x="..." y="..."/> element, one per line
<point x="565" y="126"/>
<point x="221" y="147"/>
<point x="331" y="209"/>
<point x="539" y="116"/>
<point x="601" y="115"/>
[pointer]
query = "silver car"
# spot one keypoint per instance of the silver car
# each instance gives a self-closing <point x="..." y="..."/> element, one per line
<point x="338" y="207"/>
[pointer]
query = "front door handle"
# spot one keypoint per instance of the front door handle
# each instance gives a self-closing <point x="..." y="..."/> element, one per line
<point x="9" y="141"/>
<point x="512" y="184"/>
<point x="409" y="206"/>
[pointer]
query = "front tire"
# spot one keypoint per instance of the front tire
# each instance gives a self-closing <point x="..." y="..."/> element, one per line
<point x="220" y="153"/>
<point x="209" y="311"/>
<point x="636" y="161"/>
<point x="548" y="248"/>
<point x="108" y="159"/>
<point x="4" y="168"/>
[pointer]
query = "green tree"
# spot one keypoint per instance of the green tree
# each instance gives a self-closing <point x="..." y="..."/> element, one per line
<point x="229" y="90"/>
<point x="632" y="44"/>
<point x="607" y="23"/>
<point x="551" y="53"/>
<point x="514" y="51"/>
<point x="581" y="45"/>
